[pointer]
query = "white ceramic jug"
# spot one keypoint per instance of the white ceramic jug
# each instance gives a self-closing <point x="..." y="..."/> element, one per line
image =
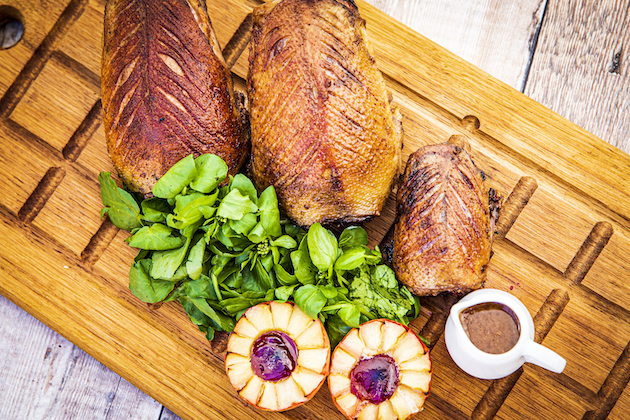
<point x="494" y="366"/>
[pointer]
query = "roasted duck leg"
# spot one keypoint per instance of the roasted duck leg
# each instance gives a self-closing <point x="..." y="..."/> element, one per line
<point x="166" y="90"/>
<point x="323" y="132"/>
<point x="444" y="229"/>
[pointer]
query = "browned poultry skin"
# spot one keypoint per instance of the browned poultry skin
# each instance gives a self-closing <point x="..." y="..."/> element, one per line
<point x="443" y="234"/>
<point x="166" y="90"/>
<point x="323" y="132"/>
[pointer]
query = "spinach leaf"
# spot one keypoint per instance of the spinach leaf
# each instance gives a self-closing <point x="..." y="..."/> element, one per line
<point x="176" y="178"/>
<point x="156" y="237"/>
<point x="120" y="206"/>
<point x="269" y="212"/>
<point x="194" y="264"/>
<point x="350" y="315"/>
<point x="283" y="293"/>
<point x="144" y="287"/>
<point x="245" y="186"/>
<point x="155" y="210"/>
<point x="283" y="276"/>
<point x="165" y="263"/>
<point x="211" y="171"/>
<point x="310" y="300"/>
<point x="234" y="206"/>
<point x="285" y="241"/>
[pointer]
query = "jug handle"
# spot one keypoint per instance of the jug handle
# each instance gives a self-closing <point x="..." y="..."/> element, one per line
<point x="544" y="357"/>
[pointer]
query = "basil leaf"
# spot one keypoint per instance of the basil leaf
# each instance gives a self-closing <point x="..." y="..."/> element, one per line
<point x="285" y="241"/>
<point x="156" y="237"/>
<point x="283" y="293"/>
<point x="155" y="210"/>
<point x="235" y="205"/>
<point x="144" y="287"/>
<point x="199" y="288"/>
<point x="245" y="224"/>
<point x="245" y="186"/>
<point x="176" y="178"/>
<point x="302" y="265"/>
<point x="322" y="247"/>
<point x="329" y="291"/>
<point x="257" y="234"/>
<point x="351" y="259"/>
<point x="310" y="300"/>
<point x="353" y="236"/>
<point x="220" y="321"/>
<point x="269" y="212"/>
<point x="194" y="264"/>
<point x="284" y="278"/>
<point x="262" y="276"/>
<point x="211" y="171"/>
<point x="350" y="315"/>
<point x="120" y="206"/>
<point x="191" y="212"/>
<point x="166" y="263"/>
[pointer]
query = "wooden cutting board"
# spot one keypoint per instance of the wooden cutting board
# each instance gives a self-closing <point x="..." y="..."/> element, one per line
<point x="563" y="247"/>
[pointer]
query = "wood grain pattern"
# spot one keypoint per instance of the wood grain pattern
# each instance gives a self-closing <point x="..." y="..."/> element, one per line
<point x="564" y="247"/>
<point x="581" y="69"/>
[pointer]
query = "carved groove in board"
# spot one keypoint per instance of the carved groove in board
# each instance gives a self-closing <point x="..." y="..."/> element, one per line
<point x="549" y="313"/>
<point x="239" y="41"/>
<point x="515" y="203"/>
<point x="496" y="394"/>
<point x="613" y="386"/>
<point x="470" y="122"/>
<point x="44" y="190"/>
<point x="494" y="397"/>
<point x="434" y="327"/>
<point x="99" y="242"/>
<point x="84" y="132"/>
<point x="40" y="57"/>
<point x="588" y="252"/>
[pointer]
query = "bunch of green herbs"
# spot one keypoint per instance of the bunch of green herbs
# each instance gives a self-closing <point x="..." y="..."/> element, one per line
<point x="220" y="247"/>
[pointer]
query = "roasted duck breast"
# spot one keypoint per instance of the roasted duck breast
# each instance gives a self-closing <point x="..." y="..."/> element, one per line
<point x="444" y="229"/>
<point x="166" y="90"/>
<point x="323" y="132"/>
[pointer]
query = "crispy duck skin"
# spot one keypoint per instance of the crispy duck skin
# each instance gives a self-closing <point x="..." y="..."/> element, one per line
<point x="323" y="132"/>
<point x="444" y="231"/>
<point x="166" y="90"/>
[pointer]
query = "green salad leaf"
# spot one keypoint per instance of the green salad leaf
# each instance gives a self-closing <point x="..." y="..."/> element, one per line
<point x="214" y="244"/>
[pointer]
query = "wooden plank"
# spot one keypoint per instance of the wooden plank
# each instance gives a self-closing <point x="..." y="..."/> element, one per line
<point x="496" y="36"/>
<point x="78" y="283"/>
<point x="54" y="370"/>
<point x="581" y="69"/>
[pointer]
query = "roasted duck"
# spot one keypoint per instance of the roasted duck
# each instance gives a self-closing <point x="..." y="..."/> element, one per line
<point x="444" y="229"/>
<point x="166" y="90"/>
<point x="323" y="132"/>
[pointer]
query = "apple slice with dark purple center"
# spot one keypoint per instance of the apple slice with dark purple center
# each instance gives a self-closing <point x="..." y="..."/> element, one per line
<point x="277" y="357"/>
<point x="381" y="370"/>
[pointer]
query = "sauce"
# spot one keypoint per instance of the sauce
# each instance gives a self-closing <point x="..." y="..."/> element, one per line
<point x="273" y="356"/>
<point x="491" y="327"/>
<point x="375" y="379"/>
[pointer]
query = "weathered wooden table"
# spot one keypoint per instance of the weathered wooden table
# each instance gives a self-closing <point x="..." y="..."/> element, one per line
<point x="569" y="56"/>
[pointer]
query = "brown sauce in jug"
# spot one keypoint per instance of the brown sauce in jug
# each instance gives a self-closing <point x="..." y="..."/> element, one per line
<point x="492" y="327"/>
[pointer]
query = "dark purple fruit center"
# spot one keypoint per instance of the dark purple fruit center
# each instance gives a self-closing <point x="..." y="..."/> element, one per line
<point x="375" y="379"/>
<point x="273" y="356"/>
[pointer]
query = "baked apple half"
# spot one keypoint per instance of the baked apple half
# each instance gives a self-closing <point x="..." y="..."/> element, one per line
<point x="277" y="357"/>
<point x="380" y="371"/>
